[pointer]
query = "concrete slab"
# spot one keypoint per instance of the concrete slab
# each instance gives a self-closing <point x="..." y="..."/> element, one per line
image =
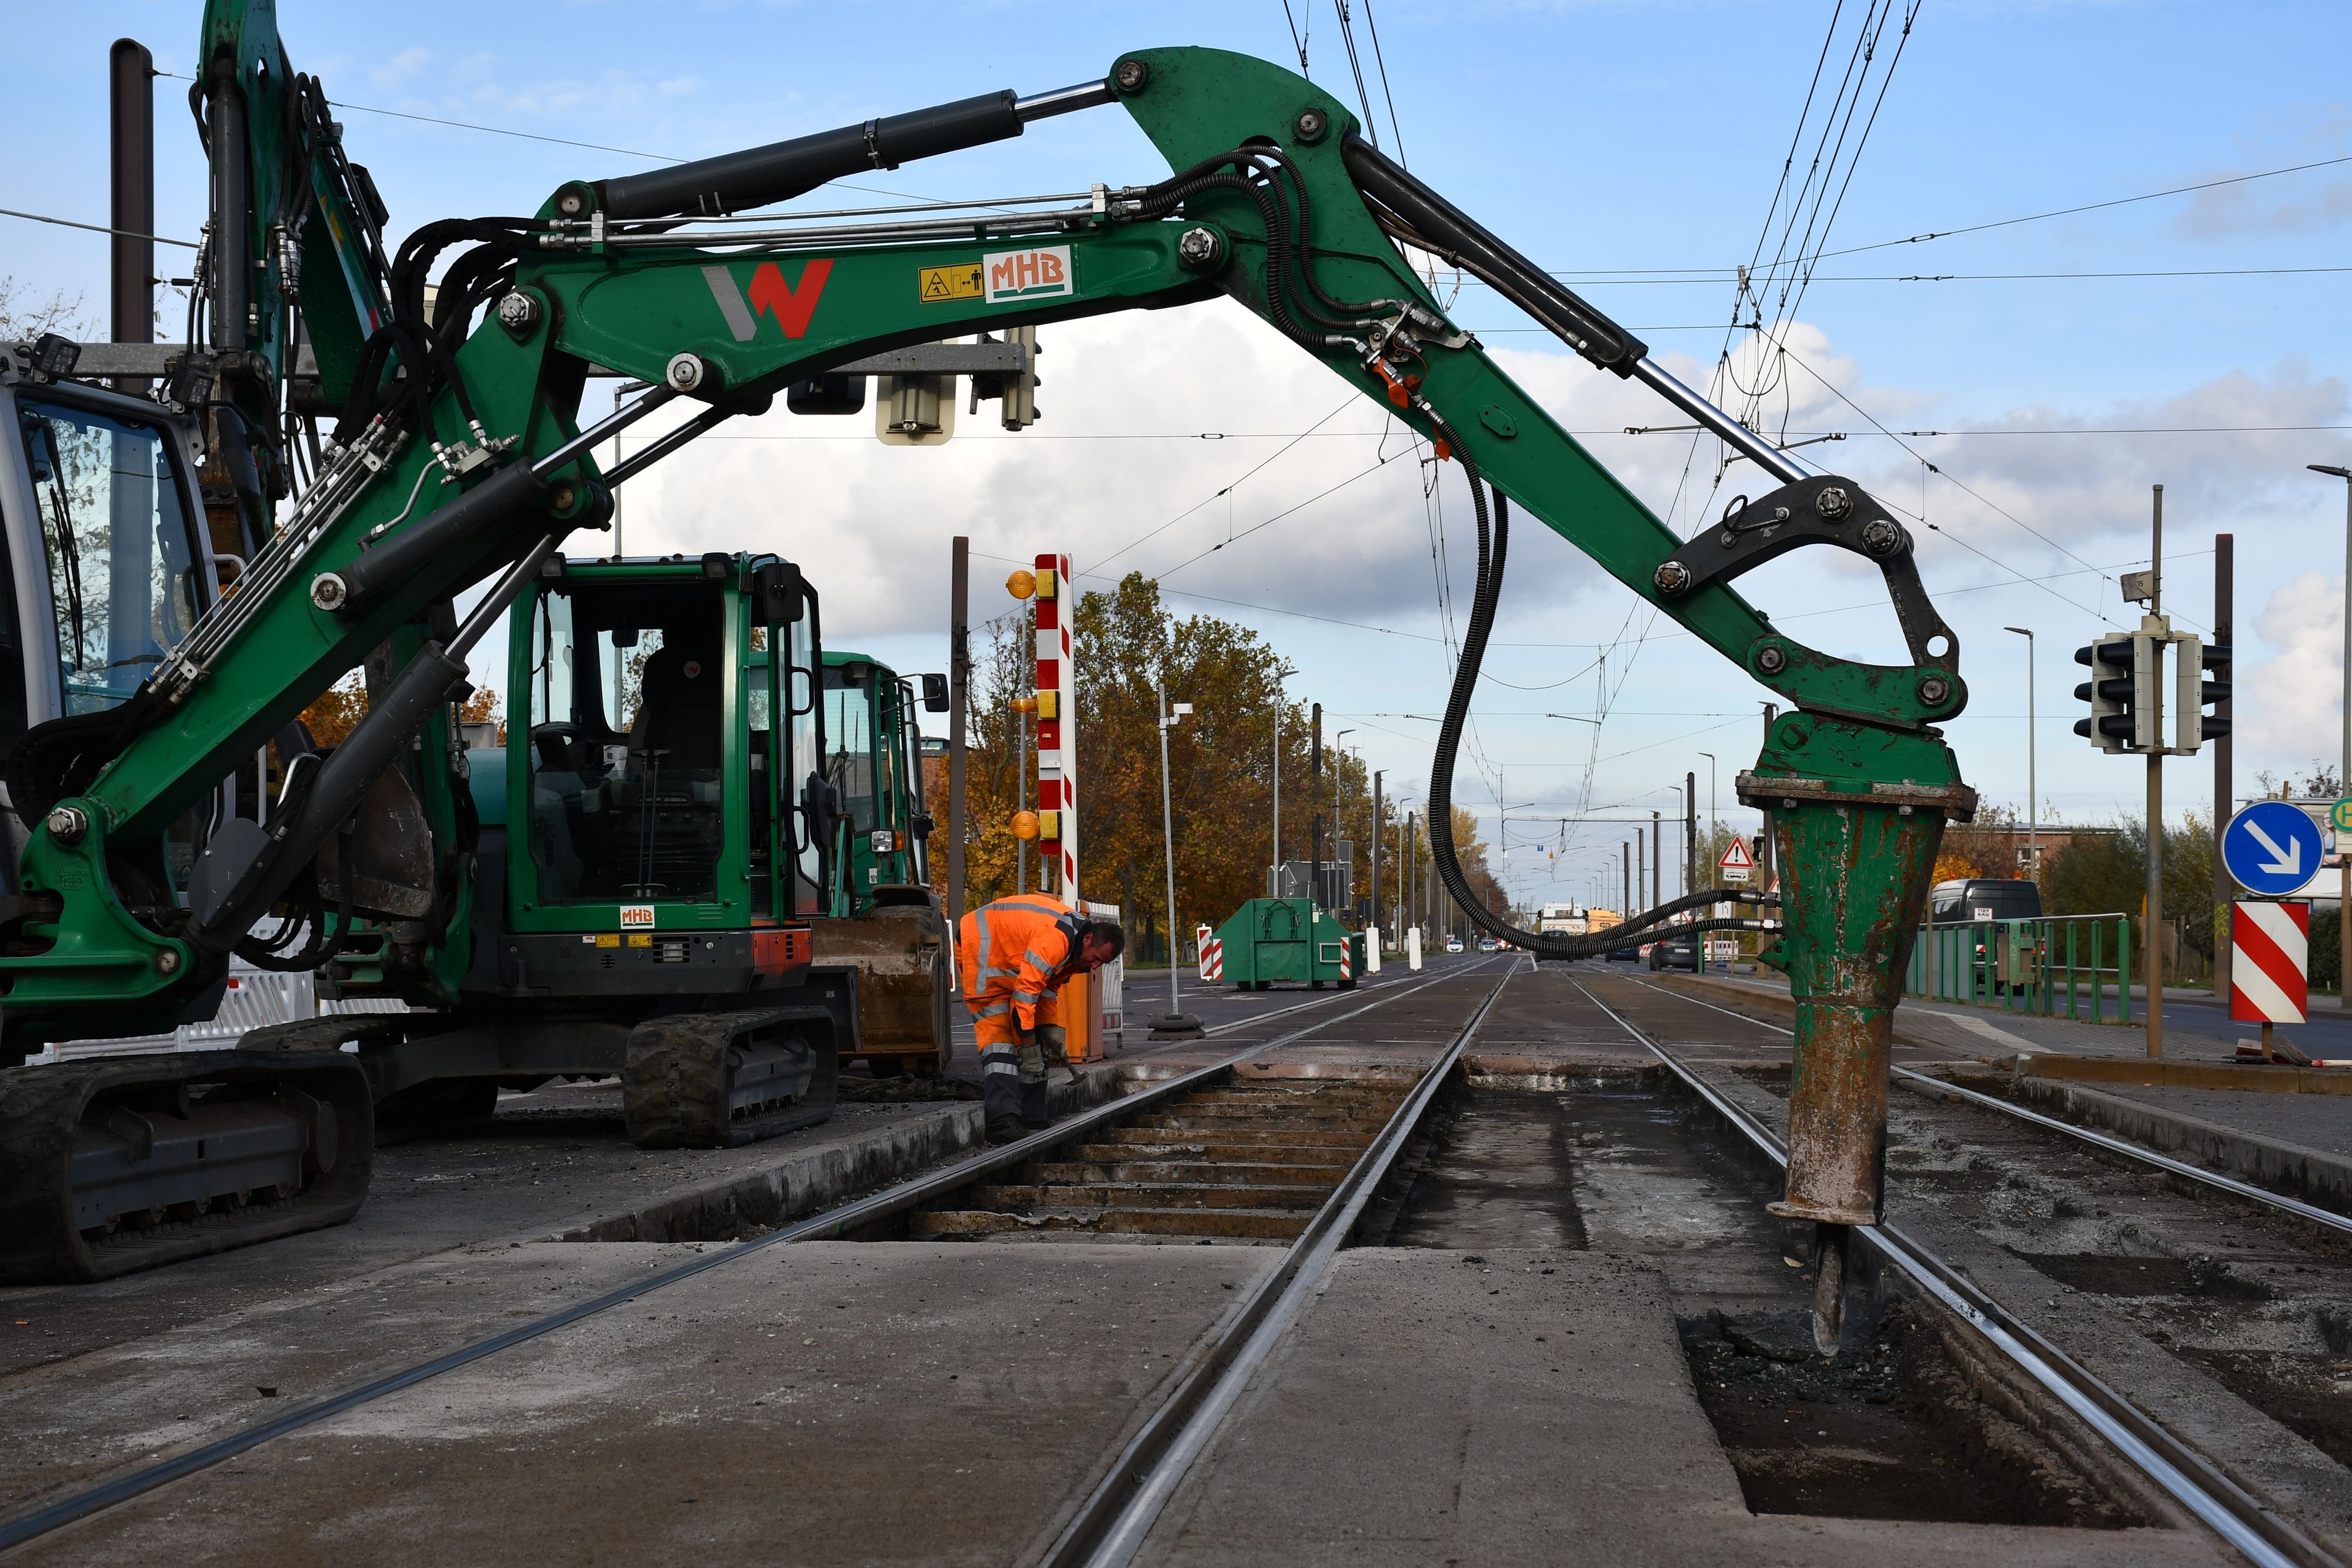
<point x="2317" y="1121"/>
<point x="549" y="1164"/>
<point x="78" y="1421"/>
<point x="828" y="1402"/>
<point x="1427" y="1412"/>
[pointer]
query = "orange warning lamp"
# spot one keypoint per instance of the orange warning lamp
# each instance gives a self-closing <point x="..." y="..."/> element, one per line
<point x="1022" y="705"/>
<point x="1021" y="583"/>
<point x="1024" y="824"/>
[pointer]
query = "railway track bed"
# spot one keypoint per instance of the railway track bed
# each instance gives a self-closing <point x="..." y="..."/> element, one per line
<point x="1308" y="1303"/>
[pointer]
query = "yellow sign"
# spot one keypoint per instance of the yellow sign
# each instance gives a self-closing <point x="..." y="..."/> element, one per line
<point x="608" y="939"/>
<point x="937" y="285"/>
<point x="640" y="939"/>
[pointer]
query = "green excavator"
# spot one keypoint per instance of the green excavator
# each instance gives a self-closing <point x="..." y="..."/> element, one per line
<point x="457" y="466"/>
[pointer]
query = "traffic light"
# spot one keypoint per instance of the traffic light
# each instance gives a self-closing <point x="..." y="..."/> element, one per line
<point x="2198" y="660"/>
<point x="2109" y="690"/>
<point x="2126" y="693"/>
<point x="1017" y="389"/>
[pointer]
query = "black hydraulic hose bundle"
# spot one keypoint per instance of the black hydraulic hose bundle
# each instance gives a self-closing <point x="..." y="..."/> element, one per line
<point x="1251" y="170"/>
<point x="1494" y="546"/>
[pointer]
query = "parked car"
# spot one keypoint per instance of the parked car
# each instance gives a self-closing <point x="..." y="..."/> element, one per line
<point x="1675" y="953"/>
<point x="1489" y="945"/>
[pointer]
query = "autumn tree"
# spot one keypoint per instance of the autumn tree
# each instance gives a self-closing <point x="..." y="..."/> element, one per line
<point x="1221" y="758"/>
<point x="336" y="711"/>
<point x="1221" y="764"/>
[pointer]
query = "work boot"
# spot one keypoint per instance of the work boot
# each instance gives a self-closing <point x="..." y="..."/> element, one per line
<point x="1006" y="1129"/>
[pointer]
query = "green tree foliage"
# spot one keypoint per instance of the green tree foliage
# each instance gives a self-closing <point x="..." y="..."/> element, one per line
<point x="2107" y="873"/>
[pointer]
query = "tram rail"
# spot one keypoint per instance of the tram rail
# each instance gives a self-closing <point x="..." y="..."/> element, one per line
<point x="840" y="1221"/>
<point x="2189" y="1476"/>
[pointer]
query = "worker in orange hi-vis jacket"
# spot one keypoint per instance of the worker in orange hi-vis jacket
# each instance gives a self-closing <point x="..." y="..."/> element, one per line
<point x="1013" y="958"/>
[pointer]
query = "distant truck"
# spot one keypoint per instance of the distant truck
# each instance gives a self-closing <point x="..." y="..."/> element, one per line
<point x="1568" y="919"/>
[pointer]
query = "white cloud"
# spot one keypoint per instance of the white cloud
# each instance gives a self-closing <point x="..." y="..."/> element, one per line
<point x="401" y="67"/>
<point x="873" y="523"/>
<point x="2288" y="705"/>
<point x="2229" y="212"/>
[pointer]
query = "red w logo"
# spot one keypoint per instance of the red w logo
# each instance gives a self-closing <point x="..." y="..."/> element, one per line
<point x="771" y="295"/>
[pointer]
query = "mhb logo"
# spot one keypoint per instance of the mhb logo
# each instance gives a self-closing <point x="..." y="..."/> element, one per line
<point x="767" y="295"/>
<point x="1028" y="274"/>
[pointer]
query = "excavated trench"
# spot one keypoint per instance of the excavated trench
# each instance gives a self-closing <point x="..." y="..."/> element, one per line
<point x="2261" y="1301"/>
<point x="1887" y="1429"/>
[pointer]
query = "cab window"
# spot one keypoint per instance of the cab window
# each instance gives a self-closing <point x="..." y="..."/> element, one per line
<point x="120" y="556"/>
<point x="627" y="741"/>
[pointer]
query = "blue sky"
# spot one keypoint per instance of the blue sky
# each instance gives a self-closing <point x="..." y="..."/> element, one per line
<point x="1598" y="137"/>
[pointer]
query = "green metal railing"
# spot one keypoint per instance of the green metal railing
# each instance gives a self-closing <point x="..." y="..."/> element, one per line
<point x="2068" y="965"/>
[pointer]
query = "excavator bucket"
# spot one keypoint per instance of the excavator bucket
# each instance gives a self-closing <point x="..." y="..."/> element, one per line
<point x="898" y="957"/>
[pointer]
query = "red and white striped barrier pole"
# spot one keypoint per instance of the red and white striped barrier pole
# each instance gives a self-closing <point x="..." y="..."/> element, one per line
<point x="2269" y="965"/>
<point x="1057" y="725"/>
<point x="1212" y="955"/>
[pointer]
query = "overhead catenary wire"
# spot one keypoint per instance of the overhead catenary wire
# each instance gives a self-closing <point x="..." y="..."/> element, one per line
<point x="1345" y="403"/>
<point x="1356" y="66"/>
<point x="1380" y="62"/>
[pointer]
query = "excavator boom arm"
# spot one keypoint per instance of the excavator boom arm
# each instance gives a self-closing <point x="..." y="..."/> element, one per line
<point x="1275" y="201"/>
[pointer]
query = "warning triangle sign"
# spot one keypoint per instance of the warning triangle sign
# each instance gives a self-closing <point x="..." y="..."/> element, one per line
<point x="1736" y="856"/>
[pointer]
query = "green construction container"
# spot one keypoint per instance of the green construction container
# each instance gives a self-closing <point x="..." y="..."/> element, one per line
<point x="1289" y="940"/>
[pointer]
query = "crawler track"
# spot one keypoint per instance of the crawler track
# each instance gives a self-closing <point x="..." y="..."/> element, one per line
<point x="2197" y="1482"/>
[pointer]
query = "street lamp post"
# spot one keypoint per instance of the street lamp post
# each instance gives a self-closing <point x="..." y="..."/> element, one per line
<point x="1712" y="818"/>
<point x="2033" y="798"/>
<point x="1339" y="807"/>
<point x="1178" y="1021"/>
<point x="2344" y="772"/>
<point x="1681" y="812"/>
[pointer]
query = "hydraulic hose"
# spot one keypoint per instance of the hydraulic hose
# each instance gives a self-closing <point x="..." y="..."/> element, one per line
<point x="1493" y="547"/>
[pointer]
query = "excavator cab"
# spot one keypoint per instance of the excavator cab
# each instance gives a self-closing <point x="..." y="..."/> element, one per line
<point x="882" y="931"/>
<point x="106" y="567"/>
<point x="656" y="808"/>
<point x="874" y="761"/>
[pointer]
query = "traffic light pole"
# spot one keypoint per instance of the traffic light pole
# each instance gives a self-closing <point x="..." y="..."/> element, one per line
<point x="2153" y="947"/>
<point x="2224" y="782"/>
<point x="959" y="692"/>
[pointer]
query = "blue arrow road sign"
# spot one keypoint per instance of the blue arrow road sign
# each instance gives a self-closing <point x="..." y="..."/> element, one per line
<point x="2273" y="849"/>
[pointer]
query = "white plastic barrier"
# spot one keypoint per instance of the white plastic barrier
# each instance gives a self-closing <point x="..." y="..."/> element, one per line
<point x="1111" y="979"/>
<point x="1412" y="949"/>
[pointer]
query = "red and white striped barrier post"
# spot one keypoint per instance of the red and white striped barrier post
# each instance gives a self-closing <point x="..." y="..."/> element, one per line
<point x="1057" y="725"/>
<point x="2269" y="965"/>
<point x="1212" y="955"/>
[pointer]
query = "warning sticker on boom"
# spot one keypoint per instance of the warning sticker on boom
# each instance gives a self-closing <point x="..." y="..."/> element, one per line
<point x="937" y="284"/>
